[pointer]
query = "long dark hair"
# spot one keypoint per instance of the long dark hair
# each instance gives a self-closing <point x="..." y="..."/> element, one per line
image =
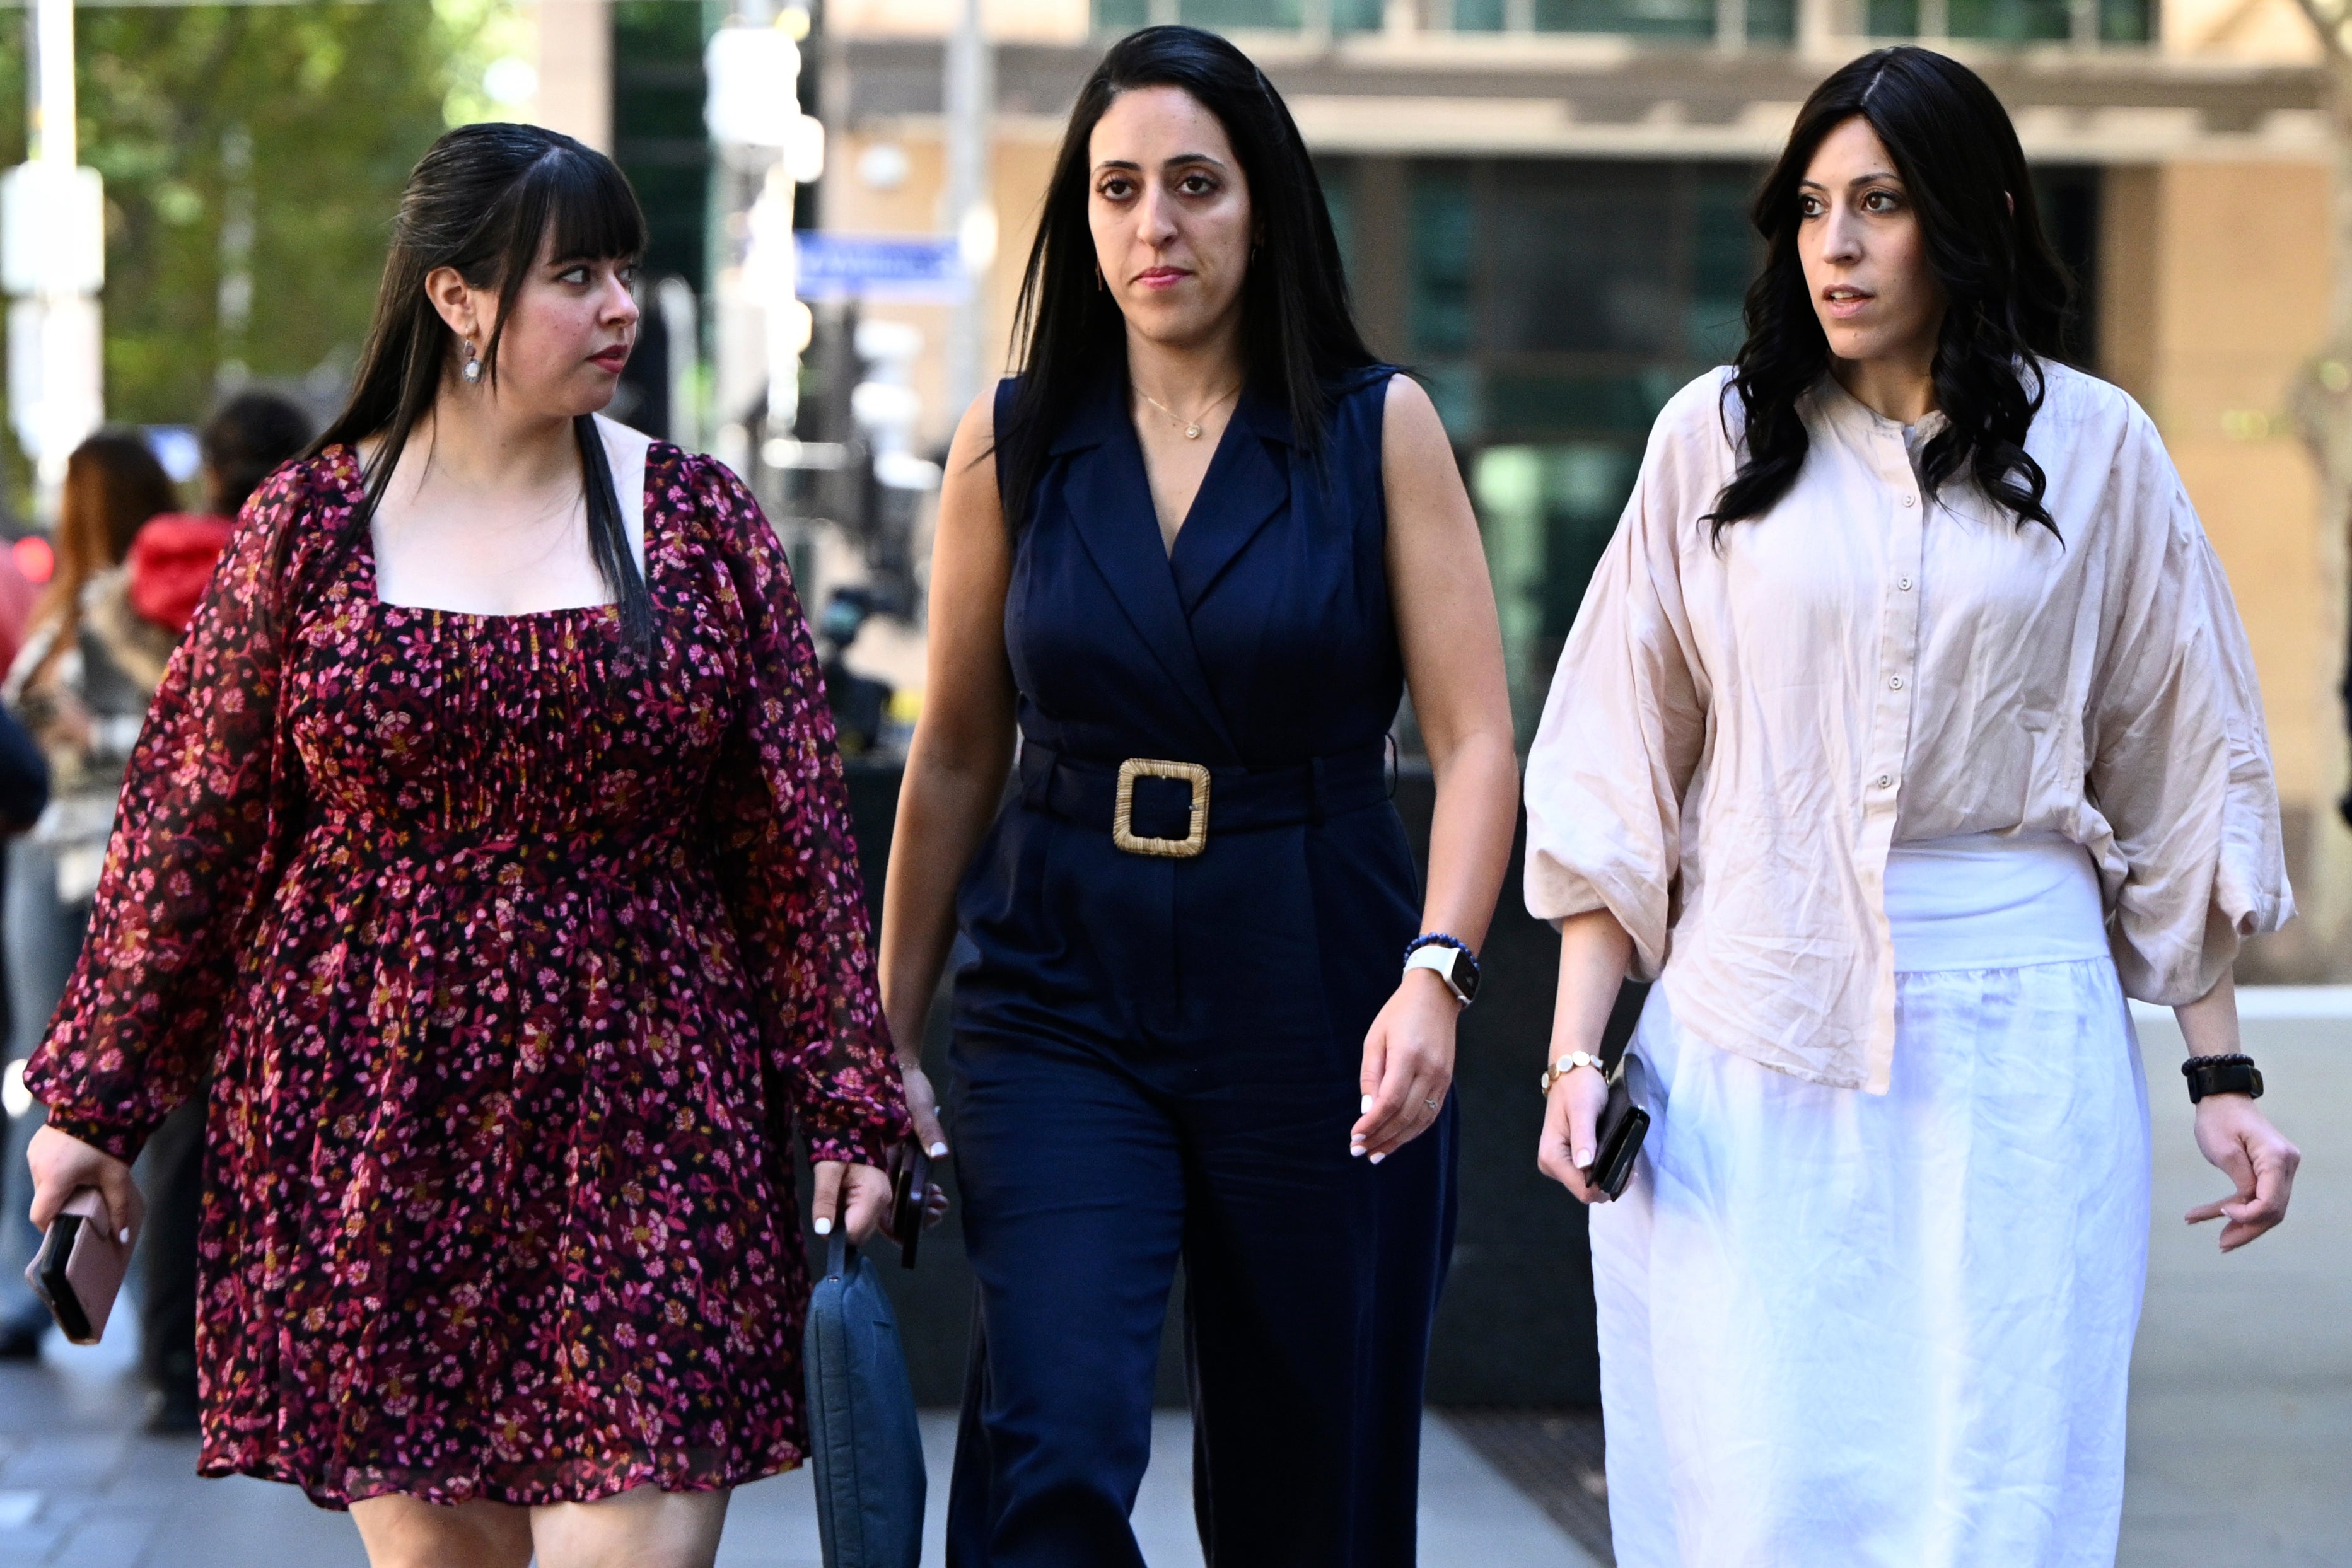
<point x="2006" y="293"/>
<point x="1297" y="329"/>
<point x="481" y="200"/>
<point x="113" y="485"/>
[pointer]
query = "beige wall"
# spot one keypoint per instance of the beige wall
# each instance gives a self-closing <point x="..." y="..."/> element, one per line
<point x="575" y="70"/>
<point x="2213" y="294"/>
<point x="2267" y="30"/>
<point x="1004" y="21"/>
<point x="1022" y="161"/>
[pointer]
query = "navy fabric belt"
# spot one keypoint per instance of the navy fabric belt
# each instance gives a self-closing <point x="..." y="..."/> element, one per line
<point x="1241" y="799"/>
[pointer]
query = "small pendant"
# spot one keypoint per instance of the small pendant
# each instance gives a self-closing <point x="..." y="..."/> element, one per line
<point x="1191" y="433"/>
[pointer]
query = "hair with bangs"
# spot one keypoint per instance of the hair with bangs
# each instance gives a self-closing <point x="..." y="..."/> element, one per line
<point x="482" y="200"/>
<point x="2006" y="293"/>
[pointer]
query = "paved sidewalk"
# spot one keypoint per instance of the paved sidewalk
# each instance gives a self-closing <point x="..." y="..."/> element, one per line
<point x="79" y="1487"/>
<point x="2240" y="1450"/>
<point x="2241" y="1437"/>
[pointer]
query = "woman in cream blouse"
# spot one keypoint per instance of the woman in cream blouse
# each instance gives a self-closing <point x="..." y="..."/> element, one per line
<point x="1907" y="728"/>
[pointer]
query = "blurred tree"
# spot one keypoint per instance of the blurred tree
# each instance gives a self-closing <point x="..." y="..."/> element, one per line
<point x="253" y="155"/>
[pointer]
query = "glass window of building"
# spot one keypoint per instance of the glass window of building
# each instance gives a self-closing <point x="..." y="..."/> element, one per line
<point x="1551" y="307"/>
<point x="1762" y="23"/>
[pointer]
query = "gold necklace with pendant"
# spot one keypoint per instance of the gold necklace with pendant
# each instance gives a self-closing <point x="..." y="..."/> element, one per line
<point x="1191" y="426"/>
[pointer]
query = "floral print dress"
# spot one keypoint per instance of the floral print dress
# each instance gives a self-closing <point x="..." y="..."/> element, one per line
<point x="516" y="956"/>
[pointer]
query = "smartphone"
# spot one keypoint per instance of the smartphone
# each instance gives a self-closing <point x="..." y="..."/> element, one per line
<point x="79" y="1267"/>
<point x="907" y="1203"/>
<point x="1624" y="1126"/>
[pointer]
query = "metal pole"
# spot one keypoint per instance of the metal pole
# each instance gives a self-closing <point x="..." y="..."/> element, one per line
<point x="53" y="83"/>
<point x="55" y="349"/>
<point x="968" y="94"/>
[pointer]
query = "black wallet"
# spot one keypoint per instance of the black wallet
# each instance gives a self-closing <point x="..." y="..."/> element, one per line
<point x="1623" y="1125"/>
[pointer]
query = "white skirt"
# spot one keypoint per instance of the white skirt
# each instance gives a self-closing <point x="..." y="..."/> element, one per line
<point x="1842" y="1329"/>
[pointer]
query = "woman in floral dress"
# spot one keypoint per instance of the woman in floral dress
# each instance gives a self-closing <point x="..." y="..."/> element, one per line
<point x="487" y="843"/>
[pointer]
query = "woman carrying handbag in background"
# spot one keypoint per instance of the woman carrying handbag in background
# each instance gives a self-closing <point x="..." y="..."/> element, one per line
<point x="487" y="843"/>
<point x="1907" y="726"/>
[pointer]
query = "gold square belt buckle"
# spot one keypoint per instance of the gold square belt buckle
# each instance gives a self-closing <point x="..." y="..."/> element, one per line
<point x="1122" y="820"/>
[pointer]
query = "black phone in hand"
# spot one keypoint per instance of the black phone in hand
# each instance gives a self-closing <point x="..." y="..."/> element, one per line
<point x="1624" y="1126"/>
<point x="907" y="1203"/>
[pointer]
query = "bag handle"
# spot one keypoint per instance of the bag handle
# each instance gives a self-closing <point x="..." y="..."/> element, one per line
<point x="838" y="1252"/>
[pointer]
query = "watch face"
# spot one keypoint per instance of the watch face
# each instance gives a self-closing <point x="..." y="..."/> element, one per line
<point x="1464" y="975"/>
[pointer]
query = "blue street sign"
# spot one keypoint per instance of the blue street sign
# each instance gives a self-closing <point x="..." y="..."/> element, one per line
<point x="913" y="269"/>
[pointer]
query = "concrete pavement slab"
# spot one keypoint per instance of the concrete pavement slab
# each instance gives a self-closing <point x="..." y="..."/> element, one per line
<point x="2241" y="1445"/>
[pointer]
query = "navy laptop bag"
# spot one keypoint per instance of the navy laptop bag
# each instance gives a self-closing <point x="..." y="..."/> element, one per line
<point x="866" y="1447"/>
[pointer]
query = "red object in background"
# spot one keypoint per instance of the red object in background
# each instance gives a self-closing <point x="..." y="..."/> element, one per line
<point x="34" y="560"/>
<point x="16" y="595"/>
<point x="170" y="561"/>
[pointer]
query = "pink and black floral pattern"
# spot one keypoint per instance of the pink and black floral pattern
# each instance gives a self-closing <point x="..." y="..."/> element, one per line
<point x="514" y="957"/>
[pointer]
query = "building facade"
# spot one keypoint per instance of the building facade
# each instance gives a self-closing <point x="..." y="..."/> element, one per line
<point x="1542" y="205"/>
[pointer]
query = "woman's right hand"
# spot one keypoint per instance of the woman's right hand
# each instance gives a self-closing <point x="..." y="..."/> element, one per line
<point x="1572" y="1117"/>
<point x="923" y="1109"/>
<point x="62" y="1164"/>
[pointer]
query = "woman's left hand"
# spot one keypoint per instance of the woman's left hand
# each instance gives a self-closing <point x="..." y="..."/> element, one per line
<point x="2240" y="1141"/>
<point x="858" y="1194"/>
<point x="1408" y="1066"/>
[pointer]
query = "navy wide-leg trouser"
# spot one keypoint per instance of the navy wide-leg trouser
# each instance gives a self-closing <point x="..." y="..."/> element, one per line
<point x="1311" y="1278"/>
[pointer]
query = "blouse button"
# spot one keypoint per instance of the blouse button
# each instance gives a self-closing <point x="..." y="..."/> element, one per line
<point x="1904" y="583"/>
<point x="1895" y="682"/>
<point x="1885" y="781"/>
<point x="1908" y="500"/>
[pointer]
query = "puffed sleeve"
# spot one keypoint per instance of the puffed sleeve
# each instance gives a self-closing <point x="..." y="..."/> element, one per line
<point x="141" y="1014"/>
<point x="2178" y="764"/>
<point x="776" y="814"/>
<point x="1626" y="717"/>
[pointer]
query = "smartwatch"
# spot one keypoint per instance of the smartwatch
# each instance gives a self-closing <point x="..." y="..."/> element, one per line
<point x="1449" y="960"/>
<point x="2233" y="1075"/>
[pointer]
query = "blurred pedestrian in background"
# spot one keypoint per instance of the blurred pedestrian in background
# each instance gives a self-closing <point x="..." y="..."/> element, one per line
<point x="1907" y="726"/>
<point x="489" y="844"/>
<point x="1197" y="550"/>
<point x="81" y="684"/>
<point x="248" y="438"/>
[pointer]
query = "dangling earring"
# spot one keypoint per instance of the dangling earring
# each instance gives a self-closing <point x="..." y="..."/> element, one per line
<point x="473" y="371"/>
<point x="1100" y="287"/>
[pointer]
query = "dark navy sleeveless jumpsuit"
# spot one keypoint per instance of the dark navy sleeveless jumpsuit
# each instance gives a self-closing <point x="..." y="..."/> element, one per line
<point x="1156" y="1057"/>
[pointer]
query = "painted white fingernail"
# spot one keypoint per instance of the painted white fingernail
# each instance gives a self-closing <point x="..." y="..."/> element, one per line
<point x="1583" y="1158"/>
<point x="1377" y="1158"/>
<point x="824" y="1227"/>
<point x="1367" y="1106"/>
<point x="1355" y="1151"/>
<point x="123" y="1236"/>
<point x="938" y="1151"/>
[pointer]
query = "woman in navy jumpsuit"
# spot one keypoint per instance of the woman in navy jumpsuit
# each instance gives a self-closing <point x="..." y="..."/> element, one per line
<point x="1184" y="1037"/>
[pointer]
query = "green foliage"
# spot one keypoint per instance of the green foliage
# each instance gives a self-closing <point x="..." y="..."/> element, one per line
<point x="336" y="102"/>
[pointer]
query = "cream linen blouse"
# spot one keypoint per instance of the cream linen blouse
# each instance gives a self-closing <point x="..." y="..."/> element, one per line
<point x="1734" y="738"/>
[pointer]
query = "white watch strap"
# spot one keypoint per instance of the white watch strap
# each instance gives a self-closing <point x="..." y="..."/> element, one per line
<point x="1438" y="960"/>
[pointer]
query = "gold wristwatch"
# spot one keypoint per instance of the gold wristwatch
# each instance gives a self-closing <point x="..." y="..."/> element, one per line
<point x="1568" y="1064"/>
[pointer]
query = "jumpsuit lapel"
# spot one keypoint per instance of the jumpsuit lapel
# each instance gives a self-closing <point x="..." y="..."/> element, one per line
<point x="1109" y="502"/>
<point x="1247" y="483"/>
